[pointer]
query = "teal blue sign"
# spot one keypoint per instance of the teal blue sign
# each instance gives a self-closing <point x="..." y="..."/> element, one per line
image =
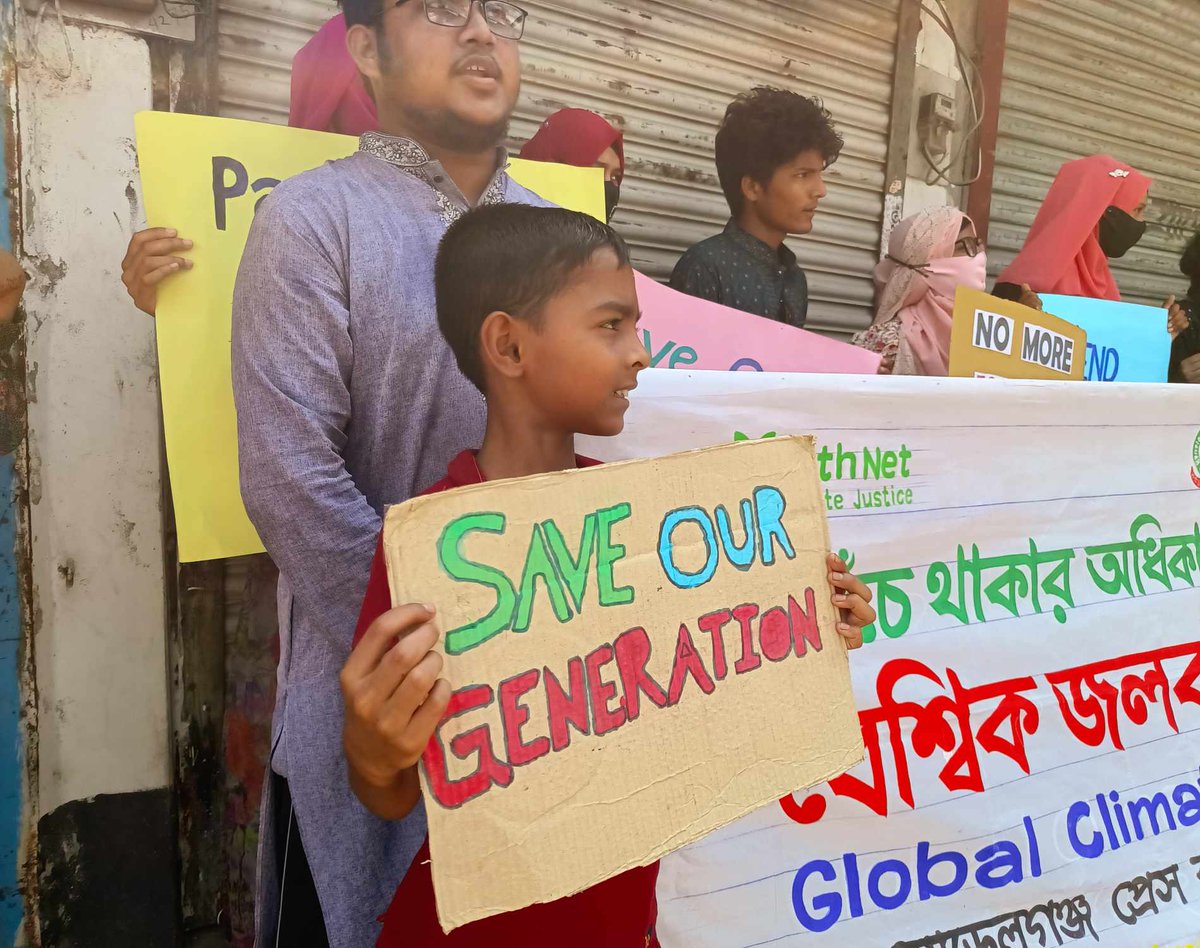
<point x="1127" y="342"/>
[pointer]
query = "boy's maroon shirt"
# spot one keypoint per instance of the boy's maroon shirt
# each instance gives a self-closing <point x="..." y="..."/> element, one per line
<point x="618" y="913"/>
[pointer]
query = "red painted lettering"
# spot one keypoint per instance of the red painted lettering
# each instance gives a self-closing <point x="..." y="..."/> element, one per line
<point x="804" y="624"/>
<point x="567" y="711"/>
<point x="633" y="652"/>
<point x="713" y="623"/>
<point x="750" y="659"/>
<point x="775" y="634"/>
<point x="477" y="741"/>
<point x="687" y="662"/>
<point x="601" y="692"/>
<point x="513" y="716"/>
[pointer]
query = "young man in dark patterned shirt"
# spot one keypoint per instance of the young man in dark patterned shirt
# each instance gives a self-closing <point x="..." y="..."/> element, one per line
<point x="773" y="148"/>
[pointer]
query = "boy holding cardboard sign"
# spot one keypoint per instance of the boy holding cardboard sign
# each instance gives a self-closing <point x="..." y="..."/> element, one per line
<point x="540" y="309"/>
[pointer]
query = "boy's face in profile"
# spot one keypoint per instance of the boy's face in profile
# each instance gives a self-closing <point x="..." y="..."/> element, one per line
<point x="584" y="357"/>
<point x="789" y="201"/>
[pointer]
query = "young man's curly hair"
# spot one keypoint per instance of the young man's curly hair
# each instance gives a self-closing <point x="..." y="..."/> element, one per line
<point x="766" y="128"/>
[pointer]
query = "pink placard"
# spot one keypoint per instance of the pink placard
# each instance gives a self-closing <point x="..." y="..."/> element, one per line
<point x="683" y="332"/>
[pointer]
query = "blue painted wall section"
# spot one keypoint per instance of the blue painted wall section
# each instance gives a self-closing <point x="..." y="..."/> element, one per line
<point x="12" y="428"/>
<point x="11" y="758"/>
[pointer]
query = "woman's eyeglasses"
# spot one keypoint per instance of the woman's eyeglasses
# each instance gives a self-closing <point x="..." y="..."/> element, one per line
<point x="970" y="246"/>
<point x="506" y="20"/>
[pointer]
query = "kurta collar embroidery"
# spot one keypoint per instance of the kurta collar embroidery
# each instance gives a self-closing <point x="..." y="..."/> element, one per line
<point x="411" y="158"/>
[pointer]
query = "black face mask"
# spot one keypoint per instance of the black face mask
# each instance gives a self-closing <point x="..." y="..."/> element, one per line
<point x="1119" y="232"/>
<point x="612" y="195"/>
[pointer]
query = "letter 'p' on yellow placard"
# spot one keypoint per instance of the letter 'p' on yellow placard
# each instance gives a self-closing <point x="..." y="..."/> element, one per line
<point x="996" y="338"/>
<point x="204" y="177"/>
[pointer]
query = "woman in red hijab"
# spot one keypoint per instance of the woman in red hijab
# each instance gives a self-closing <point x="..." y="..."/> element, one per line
<point x="1094" y="211"/>
<point x="584" y="139"/>
<point x="328" y="94"/>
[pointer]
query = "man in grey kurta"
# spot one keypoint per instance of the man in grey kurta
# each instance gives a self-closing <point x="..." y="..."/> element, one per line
<point x="348" y="400"/>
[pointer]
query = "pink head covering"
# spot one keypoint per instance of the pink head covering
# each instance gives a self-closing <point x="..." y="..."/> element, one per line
<point x="328" y="94"/>
<point x="1062" y="252"/>
<point x="574" y="137"/>
<point x="918" y="280"/>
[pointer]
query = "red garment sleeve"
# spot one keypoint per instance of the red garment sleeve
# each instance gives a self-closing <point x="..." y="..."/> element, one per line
<point x="378" y="598"/>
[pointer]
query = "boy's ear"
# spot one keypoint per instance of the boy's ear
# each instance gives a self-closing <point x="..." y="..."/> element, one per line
<point x="752" y="190"/>
<point x="363" y="46"/>
<point x="500" y="342"/>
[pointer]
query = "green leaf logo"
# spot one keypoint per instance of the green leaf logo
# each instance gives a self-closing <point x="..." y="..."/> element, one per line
<point x="742" y="436"/>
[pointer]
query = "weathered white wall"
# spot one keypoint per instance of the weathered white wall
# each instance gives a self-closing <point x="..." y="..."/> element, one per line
<point x="94" y="432"/>
<point x="937" y="70"/>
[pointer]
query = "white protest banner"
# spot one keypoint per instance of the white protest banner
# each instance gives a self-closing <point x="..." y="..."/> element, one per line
<point x="1030" y="698"/>
<point x="640" y="653"/>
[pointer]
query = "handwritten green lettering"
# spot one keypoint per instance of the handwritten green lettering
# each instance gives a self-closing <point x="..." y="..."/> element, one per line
<point x="609" y="553"/>
<point x="573" y="569"/>
<point x="538" y="566"/>
<point x="457" y="566"/>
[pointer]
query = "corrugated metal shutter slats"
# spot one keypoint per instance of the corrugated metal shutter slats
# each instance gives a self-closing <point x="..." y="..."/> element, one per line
<point x="664" y="70"/>
<point x="1080" y="79"/>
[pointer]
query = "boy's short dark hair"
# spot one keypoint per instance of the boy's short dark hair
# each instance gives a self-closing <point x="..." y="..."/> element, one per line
<point x="510" y="258"/>
<point x="766" y="128"/>
<point x="364" y="12"/>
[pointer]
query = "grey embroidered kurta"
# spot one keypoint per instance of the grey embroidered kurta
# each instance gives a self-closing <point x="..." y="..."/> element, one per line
<point x="348" y="400"/>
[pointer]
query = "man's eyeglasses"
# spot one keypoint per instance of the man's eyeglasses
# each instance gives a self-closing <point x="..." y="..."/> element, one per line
<point x="506" y="20"/>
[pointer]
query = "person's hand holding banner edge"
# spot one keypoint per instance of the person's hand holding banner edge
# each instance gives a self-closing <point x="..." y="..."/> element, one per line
<point x="852" y="599"/>
<point x="150" y="260"/>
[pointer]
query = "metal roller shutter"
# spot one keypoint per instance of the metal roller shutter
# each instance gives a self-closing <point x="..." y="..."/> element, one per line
<point x="1084" y="77"/>
<point x="664" y="71"/>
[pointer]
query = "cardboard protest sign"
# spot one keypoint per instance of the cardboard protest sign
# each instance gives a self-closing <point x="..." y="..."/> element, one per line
<point x="681" y="331"/>
<point x="640" y="654"/>
<point x="1127" y="342"/>
<point x="1030" y="694"/>
<point x="204" y="177"/>
<point x="992" y="337"/>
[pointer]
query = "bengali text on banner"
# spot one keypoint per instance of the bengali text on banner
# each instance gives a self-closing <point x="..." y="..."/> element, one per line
<point x="1030" y="695"/>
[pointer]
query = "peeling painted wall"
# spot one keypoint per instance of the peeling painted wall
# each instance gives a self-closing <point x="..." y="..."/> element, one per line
<point x="105" y="828"/>
<point x="95" y="473"/>
<point x="938" y="71"/>
<point x="16" y="756"/>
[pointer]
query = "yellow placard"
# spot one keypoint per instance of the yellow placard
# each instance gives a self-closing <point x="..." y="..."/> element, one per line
<point x="204" y="177"/>
<point x="996" y="338"/>
<point x="642" y="652"/>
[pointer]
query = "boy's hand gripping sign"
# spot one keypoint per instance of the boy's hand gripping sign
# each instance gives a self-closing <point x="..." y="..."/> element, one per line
<point x="640" y="653"/>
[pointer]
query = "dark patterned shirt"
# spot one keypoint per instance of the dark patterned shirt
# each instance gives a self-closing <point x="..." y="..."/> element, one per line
<point x="737" y="269"/>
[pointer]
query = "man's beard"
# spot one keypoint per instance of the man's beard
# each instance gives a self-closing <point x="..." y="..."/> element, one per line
<point x="441" y="128"/>
<point x="446" y="131"/>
